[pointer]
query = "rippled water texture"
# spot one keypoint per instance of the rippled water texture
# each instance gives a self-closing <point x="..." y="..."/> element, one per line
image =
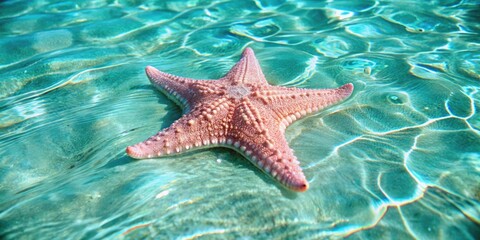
<point x="400" y="159"/>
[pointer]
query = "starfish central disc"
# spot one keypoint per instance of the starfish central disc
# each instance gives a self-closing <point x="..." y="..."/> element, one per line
<point x="240" y="111"/>
<point x="238" y="91"/>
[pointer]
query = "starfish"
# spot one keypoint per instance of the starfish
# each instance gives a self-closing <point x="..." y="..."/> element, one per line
<point x="240" y="111"/>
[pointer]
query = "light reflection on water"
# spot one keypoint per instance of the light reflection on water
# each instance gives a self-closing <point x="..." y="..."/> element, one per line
<point x="399" y="159"/>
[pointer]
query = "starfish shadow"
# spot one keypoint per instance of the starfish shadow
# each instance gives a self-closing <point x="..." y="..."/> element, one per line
<point x="241" y="162"/>
<point x="122" y="160"/>
<point x="173" y="111"/>
<point x="236" y="159"/>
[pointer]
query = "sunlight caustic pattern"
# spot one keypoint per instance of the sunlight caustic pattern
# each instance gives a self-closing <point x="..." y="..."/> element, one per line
<point x="399" y="160"/>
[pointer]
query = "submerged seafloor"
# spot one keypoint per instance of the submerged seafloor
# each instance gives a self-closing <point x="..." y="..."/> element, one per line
<point x="400" y="159"/>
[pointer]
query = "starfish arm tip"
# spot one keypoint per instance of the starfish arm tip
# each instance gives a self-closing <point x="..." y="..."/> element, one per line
<point x="148" y="67"/>
<point x="346" y="90"/>
<point x="248" y="51"/>
<point x="300" y="187"/>
<point x="347" y="87"/>
<point x="151" y="71"/>
<point x="133" y="152"/>
<point x="297" y="183"/>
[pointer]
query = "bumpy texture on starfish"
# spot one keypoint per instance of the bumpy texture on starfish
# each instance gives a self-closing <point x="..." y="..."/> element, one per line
<point x="239" y="111"/>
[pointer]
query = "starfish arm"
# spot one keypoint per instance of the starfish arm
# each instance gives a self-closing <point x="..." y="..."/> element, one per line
<point x="183" y="91"/>
<point x="246" y="71"/>
<point x="259" y="139"/>
<point x="295" y="103"/>
<point x="204" y="126"/>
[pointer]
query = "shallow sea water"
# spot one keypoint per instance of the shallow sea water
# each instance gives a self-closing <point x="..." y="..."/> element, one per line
<point x="399" y="159"/>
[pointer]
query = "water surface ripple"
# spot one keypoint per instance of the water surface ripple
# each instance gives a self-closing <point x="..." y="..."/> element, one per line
<point x="399" y="160"/>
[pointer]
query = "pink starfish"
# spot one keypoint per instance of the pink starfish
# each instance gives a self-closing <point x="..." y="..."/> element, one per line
<point x="239" y="111"/>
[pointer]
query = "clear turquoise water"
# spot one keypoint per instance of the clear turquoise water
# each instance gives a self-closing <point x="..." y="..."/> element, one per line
<point x="400" y="159"/>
